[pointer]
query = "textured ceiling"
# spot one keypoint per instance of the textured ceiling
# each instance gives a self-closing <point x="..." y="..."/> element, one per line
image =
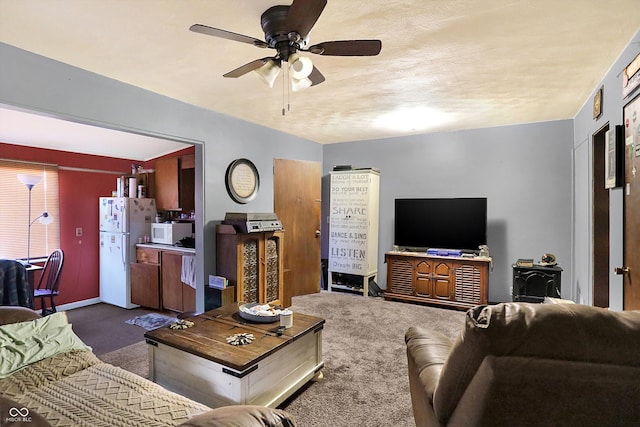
<point x="444" y="65"/>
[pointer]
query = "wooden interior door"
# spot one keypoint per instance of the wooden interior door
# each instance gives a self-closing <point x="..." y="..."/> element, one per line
<point x="297" y="199"/>
<point x="600" y="197"/>
<point x="631" y="267"/>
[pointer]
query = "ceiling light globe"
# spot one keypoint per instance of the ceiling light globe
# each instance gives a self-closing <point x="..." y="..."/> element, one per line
<point x="300" y="84"/>
<point x="301" y="67"/>
<point x="268" y="72"/>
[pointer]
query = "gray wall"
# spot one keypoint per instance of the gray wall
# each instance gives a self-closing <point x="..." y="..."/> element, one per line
<point x="530" y="173"/>
<point x="34" y="83"/>
<point x="523" y="170"/>
<point x="584" y="129"/>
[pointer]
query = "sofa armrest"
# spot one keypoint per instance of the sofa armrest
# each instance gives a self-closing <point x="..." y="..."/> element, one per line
<point x="241" y="416"/>
<point x="427" y="351"/>
<point x="14" y="314"/>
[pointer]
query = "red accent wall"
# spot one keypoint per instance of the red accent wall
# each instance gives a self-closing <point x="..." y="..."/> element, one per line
<point x="79" y="193"/>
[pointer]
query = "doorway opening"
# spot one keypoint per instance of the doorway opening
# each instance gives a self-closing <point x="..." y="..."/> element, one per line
<point x="600" y="232"/>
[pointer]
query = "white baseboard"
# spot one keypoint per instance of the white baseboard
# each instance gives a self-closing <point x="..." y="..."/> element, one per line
<point x="78" y="304"/>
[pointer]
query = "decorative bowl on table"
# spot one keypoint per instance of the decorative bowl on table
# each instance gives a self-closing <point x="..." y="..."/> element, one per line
<point x="259" y="313"/>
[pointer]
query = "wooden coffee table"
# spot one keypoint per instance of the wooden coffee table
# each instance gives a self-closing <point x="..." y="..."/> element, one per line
<point x="199" y="363"/>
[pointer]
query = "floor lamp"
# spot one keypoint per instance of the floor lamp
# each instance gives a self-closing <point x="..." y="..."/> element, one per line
<point x="30" y="181"/>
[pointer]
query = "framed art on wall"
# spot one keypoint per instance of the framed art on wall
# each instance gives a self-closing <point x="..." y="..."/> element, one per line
<point x="631" y="77"/>
<point x="242" y="180"/>
<point x="597" y="103"/>
<point x="631" y="138"/>
<point x="614" y="157"/>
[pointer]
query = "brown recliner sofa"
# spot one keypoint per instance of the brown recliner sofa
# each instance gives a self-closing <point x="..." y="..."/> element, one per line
<point x="519" y="364"/>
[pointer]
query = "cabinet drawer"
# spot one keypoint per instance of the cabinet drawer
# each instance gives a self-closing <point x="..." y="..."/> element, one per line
<point x="146" y="255"/>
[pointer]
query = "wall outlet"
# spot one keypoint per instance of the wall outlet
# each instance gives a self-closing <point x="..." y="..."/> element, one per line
<point x="79" y="232"/>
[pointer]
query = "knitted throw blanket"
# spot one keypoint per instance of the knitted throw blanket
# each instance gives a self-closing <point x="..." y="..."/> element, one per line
<point x="77" y="389"/>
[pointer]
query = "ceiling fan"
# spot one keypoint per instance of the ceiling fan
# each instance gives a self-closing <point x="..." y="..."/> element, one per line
<point x="286" y="29"/>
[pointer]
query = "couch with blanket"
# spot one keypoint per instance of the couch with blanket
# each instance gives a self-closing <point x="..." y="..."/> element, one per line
<point x="48" y="376"/>
<point x="519" y="364"/>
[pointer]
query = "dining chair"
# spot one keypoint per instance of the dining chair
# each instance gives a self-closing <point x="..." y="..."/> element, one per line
<point x="49" y="281"/>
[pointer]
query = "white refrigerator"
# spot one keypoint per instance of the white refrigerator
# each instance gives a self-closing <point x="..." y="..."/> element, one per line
<point x="123" y="221"/>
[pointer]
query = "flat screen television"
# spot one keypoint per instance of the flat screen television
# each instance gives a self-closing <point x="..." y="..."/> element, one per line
<point x="445" y="223"/>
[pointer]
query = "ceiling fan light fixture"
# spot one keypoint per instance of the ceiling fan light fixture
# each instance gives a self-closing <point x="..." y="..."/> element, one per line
<point x="268" y="72"/>
<point x="300" y="84"/>
<point x="300" y="67"/>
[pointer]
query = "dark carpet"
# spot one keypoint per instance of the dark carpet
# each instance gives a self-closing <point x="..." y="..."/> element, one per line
<point x="102" y="326"/>
<point x="365" y="375"/>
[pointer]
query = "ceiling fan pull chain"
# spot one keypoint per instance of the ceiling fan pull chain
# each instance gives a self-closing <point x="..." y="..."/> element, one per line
<point x="284" y="83"/>
<point x="288" y="89"/>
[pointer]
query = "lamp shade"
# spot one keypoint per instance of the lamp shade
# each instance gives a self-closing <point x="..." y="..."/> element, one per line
<point x="300" y="84"/>
<point x="29" y="180"/>
<point x="45" y="218"/>
<point x="268" y="72"/>
<point x="300" y="67"/>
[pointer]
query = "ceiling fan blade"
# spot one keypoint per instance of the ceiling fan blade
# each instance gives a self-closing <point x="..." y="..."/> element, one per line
<point x="347" y="48"/>
<point x="244" y="69"/>
<point x="303" y="15"/>
<point x="316" y="77"/>
<point x="216" y="32"/>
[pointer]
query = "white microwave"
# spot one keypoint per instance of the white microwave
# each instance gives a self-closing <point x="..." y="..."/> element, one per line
<point x="170" y="233"/>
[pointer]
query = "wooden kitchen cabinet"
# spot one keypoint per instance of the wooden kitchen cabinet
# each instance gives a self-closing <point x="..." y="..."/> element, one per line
<point x="167" y="196"/>
<point x="145" y="278"/>
<point x="253" y="263"/>
<point x="447" y="281"/>
<point x="156" y="281"/>
<point x="175" y="183"/>
<point x="176" y="295"/>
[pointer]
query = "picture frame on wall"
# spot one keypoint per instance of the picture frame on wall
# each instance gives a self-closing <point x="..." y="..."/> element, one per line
<point x="614" y="157"/>
<point x="597" y="103"/>
<point x="631" y="77"/>
<point x="631" y="141"/>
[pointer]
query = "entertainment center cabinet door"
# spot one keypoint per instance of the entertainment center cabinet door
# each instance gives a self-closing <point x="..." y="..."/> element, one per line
<point x="471" y="282"/>
<point x="433" y="279"/>
<point x="422" y="283"/>
<point x="443" y="280"/>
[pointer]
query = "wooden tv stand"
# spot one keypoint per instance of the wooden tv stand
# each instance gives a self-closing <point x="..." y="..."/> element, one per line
<point x="452" y="281"/>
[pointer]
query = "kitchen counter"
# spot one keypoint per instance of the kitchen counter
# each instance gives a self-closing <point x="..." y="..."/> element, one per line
<point x="162" y="247"/>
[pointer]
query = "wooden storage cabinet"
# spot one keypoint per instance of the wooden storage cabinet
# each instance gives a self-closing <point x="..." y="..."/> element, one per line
<point x="450" y="281"/>
<point x="353" y="224"/>
<point x="253" y="263"/>
<point x="156" y="281"/>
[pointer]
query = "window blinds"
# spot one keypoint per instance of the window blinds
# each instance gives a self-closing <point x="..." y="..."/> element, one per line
<point x="14" y="210"/>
